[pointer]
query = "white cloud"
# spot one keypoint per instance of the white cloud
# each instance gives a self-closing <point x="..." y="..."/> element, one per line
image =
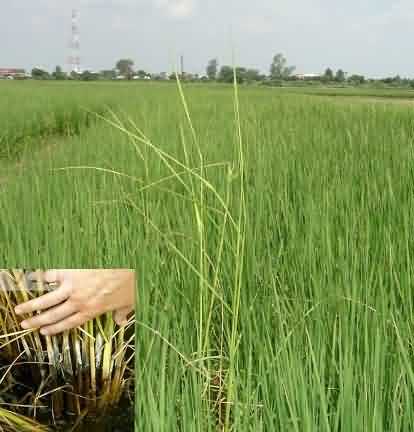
<point x="177" y="8"/>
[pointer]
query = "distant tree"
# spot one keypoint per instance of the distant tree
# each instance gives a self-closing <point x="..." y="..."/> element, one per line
<point x="340" y="76"/>
<point x="241" y="73"/>
<point x="88" y="76"/>
<point x="387" y="80"/>
<point x="212" y="69"/>
<point x="141" y="74"/>
<point x="38" y="73"/>
<point x="74" y="75"/>
<point x="253" y="75"/>
<point x="108" y="74"/>
<point x="279" y="69"/>
<point x="328" y="75"/>
<point x="397" y="80"/>
<point x="226" y="74"/>
<point x="405" y="81"/>
<point x="126" y="67"/>
<point x="58" y="74"/>
<point x="163" y="76"/>
<point x="356" y="79"/>
<point x="191" y="77"/>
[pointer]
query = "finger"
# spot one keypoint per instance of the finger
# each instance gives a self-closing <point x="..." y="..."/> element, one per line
<point x="73" y="321"/>
<point x="35" y="275"/>
<point x="45" y="301"/>
<point x="51" y="316"/>
<point x="121" y="315"/>
<point x="44" y="276"/>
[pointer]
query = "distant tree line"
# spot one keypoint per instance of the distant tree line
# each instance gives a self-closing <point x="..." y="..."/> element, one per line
<point x="280" y="73"/>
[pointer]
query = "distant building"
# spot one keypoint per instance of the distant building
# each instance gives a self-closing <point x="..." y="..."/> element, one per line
<point x="12" y="73"/>
<point x="309" y="76"/>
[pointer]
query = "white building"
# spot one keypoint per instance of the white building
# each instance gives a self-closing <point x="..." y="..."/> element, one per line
<point x="308" y="76"/>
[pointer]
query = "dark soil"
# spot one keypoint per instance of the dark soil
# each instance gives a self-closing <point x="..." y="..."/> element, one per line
<point x="120" y="420"/>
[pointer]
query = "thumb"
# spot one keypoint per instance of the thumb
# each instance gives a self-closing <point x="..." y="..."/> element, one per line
<point x="121" y="315"/>
<point x="48" y="276"/>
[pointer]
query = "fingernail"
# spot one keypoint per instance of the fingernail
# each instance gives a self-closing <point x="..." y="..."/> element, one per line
<point x="24" y="324"/>
<point x="17" y="310"/>
<point x="43" y="331"/>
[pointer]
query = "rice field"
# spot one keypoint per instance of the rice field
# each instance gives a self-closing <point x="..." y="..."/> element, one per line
<point x="272" y="236"/>
<point x="385" y="93"/>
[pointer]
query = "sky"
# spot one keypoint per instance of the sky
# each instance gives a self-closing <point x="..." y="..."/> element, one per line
<point x="370" y="37"/>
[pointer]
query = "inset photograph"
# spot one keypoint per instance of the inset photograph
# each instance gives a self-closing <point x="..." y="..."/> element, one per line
<point x="67" y="350"/>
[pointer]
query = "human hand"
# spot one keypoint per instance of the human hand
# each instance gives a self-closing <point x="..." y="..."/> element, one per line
<point x="81" y="295"/>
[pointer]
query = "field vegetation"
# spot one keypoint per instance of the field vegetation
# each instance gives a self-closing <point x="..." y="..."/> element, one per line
<point x="386" y="93"/>
<point x="271" y="232"/>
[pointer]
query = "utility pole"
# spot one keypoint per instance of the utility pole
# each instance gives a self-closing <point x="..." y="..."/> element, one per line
<point x="182" y="67"/>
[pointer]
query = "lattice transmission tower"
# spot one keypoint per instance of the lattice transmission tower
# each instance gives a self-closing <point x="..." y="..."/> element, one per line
<point x="74" y="59"/>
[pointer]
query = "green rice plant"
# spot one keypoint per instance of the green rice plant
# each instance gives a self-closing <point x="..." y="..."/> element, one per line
<point x="216" y="231"/>
<point x="26" y="123"/>
<point x="83" y="371"/>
